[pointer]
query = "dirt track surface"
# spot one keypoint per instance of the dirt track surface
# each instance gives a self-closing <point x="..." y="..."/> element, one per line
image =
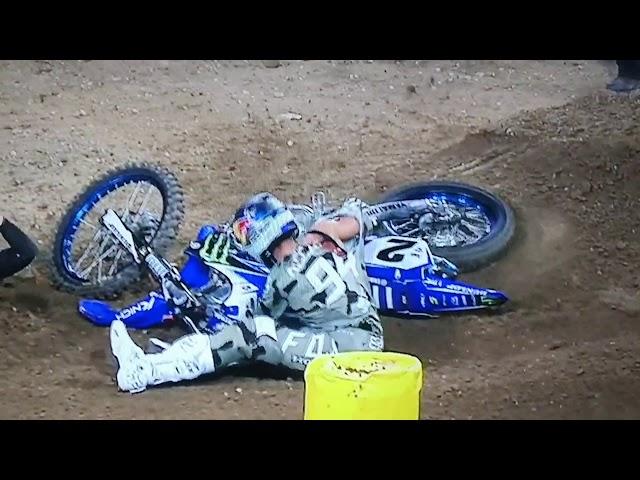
<point x="544" y="135"/>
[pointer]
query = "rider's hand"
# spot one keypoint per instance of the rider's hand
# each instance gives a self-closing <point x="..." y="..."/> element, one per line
<point x="216" y="248"/>
<point x="355" y="204"/>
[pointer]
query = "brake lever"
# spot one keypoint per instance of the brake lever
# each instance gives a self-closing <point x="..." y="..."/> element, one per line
<point x="319" y="204"/>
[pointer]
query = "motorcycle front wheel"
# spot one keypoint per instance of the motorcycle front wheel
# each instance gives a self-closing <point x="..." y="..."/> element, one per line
<point x="85" y="259"/>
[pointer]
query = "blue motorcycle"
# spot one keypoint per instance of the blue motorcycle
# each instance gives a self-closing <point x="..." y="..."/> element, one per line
<point x="121" y="228"/>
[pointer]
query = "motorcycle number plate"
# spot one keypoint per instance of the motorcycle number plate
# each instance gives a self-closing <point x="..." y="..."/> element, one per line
<point x="398" y="252"/>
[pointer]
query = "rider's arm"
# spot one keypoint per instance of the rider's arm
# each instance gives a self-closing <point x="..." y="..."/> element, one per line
<point x="273" y="302"/>
<point x="347" y="222"/>
<point x="20" y="253"/>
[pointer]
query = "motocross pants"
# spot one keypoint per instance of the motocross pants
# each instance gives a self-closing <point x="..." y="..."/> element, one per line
<point x="292" y="348"/>
<point x="256" y="339"/>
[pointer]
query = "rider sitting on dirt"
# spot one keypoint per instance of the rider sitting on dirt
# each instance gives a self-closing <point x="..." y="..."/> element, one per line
<point x="317" y="300"/>
<point x="20" y="253"/>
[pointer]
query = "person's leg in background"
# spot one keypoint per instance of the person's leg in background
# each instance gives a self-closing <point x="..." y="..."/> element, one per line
<point x="628" y="78"/>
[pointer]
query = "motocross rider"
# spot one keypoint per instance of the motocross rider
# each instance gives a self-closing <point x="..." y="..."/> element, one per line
<point x="317" y="300"/>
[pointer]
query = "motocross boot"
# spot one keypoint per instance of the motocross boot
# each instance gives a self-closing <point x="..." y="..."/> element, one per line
<point x="186" y="359"/>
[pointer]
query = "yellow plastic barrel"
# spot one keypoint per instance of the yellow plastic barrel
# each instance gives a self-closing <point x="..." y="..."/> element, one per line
<point x="363" y="386"/>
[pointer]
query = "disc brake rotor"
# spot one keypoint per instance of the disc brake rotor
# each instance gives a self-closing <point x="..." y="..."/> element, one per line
<point x="445" y="224"/>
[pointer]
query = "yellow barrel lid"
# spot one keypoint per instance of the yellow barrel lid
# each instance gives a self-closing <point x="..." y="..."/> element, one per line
<point x="359" y="366"/>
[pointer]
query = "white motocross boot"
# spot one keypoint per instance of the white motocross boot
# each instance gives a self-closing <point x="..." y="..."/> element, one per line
<point x="185" y="359"/>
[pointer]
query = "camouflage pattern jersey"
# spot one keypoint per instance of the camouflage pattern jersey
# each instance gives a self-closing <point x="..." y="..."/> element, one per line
<point x="320" y="289"/>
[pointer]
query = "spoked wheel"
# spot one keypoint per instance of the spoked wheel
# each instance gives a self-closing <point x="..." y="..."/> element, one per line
<point x="86" y="260"/>
<point x="450" y="222"/>
<point x="468" y="225"/>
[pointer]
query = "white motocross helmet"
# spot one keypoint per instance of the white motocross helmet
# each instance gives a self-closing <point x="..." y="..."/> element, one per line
<point x="261" y="224"/>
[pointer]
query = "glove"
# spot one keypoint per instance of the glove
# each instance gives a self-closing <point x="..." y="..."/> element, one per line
<point x="354" y="205"/>
<point x="216" y="248"/>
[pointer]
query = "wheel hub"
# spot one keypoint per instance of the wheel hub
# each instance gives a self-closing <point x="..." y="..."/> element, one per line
<point x="446" y="224"/>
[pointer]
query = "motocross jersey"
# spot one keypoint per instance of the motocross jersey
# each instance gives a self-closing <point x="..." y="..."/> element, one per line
<point x="317" y="288"/>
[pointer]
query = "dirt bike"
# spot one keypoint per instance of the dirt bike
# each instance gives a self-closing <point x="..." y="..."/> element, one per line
<point x="425" y="235"/>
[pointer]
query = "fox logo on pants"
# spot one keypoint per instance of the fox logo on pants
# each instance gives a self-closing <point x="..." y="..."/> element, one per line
<point x="314" y="343"/>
